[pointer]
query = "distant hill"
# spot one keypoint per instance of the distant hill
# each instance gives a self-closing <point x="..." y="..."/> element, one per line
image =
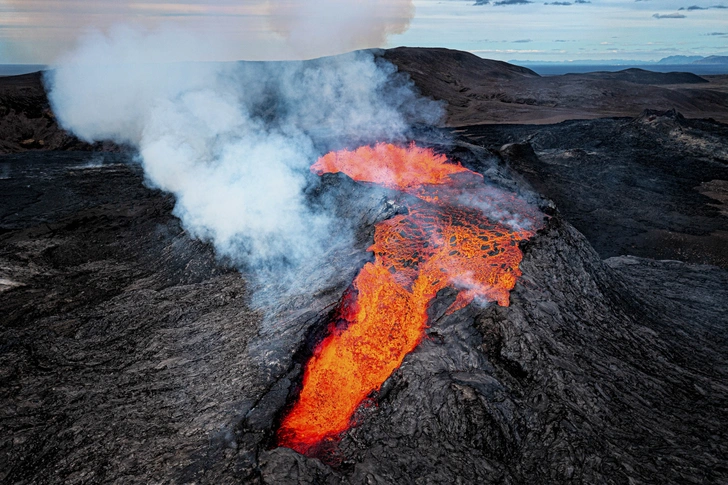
<point x="585" y="62"/>
<point x="665" y="61"/>
<point x="421" y="61"/>
<point x="641" y="76"/>
<point x="713" y="60"/>
<point x="679" y="60"/>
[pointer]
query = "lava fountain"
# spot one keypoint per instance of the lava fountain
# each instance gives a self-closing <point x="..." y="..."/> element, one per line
<point x="446" y="239"/>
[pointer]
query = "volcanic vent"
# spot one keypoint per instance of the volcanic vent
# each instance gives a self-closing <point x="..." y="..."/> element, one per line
<point x="445" y="240"/>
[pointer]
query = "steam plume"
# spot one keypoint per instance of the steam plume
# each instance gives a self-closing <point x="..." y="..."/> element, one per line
<point x="232" y="141"/>
<point x="320" y="24"/>
<point x="250" y="29"/>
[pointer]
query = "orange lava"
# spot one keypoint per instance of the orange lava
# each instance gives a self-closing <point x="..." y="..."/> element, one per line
<point x="391" y="166"/>
<point x="445" y="240"/>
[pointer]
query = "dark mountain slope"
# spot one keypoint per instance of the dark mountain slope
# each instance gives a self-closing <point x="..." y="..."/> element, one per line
<point x="484" y="91"/>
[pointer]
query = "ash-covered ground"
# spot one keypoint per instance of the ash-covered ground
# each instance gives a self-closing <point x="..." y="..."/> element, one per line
<point x="130" y="354"/>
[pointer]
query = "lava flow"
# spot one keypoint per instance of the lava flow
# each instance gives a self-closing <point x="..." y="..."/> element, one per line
<point x="446" y="239"/>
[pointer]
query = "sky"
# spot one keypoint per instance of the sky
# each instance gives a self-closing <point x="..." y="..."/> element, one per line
<point x="39" y="31"/>
<point x="554" y="30"/>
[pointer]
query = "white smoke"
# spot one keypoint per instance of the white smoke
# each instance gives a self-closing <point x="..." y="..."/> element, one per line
<point x="323" y="26"/>
<point x="498" y="205"/>
<point x="232" y="141"/>
<point x="248" y="29"/>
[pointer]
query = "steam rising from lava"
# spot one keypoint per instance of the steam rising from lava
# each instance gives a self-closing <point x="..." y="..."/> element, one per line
<point x="233" y="142"/>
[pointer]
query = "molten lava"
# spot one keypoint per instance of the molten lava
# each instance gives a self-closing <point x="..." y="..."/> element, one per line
<point x="445" y="240"/>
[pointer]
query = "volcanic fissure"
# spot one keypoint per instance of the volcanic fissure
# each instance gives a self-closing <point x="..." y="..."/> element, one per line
<point x="459" y="233"/>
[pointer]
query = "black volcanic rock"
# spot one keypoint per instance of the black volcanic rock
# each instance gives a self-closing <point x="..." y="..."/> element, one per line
<point x="520" y="152"/>
<point x="457" y="73"/>
<point x="27" y="121"/>
<point x="129" y="354"/>
<point x="119" y="333"/>
<point x="636" y="186"/>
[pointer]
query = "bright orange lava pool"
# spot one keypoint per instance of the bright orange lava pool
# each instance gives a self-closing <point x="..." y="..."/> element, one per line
<point x="446" y="239"/>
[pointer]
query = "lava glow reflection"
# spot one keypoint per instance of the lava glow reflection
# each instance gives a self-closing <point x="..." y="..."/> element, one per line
<point x="445" y="240"/>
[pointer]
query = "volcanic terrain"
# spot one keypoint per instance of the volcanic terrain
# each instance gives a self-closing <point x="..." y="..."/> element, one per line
<point x="131" y="354"/>
<point x="484" y="91"/>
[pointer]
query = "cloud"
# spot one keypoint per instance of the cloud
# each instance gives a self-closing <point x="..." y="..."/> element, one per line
<point x="317" y="24"/>
<point x="718" y="33"/>
<point x="696" y="7"/>
<point x="481" y="2"/>
<point x="522" y="41"/>
<point x="511" y="2"/>
<point x="578" y="2"/>
<point x="669" y="16"/>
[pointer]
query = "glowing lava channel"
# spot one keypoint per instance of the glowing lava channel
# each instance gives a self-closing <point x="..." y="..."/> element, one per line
<point x="445" y="240"/>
